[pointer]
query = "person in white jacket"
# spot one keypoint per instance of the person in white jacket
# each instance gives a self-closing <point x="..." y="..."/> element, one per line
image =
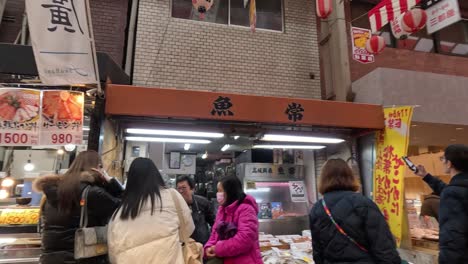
<point x="145" y="228"/>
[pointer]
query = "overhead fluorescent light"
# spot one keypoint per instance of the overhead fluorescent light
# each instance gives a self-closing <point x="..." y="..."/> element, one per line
<point x="174" y="133"/>
<point x="236" y="137"/>
<point x="205" y="155"/>
<point x="186" y="147"/>
<point x="85" y="128"/>
<point x="303" y="139"/>
<point x="287" y="147"/>
<point x="225" y="147"/>
<point x="169" y="140"/>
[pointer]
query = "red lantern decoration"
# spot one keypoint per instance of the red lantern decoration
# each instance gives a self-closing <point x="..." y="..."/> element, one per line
<point x="324" y="8"/>
<point x="375" y="44"/>
<point x="414" y="20"/>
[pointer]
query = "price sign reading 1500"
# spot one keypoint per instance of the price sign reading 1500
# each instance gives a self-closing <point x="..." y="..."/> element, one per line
<point x="13" y="138"/>
<point x="61" y="138"/>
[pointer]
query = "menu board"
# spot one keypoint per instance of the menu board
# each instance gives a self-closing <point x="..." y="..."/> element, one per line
<point x="19" y="117"/>
<point x="62" y="118"/>
<point x="33" y="117"/>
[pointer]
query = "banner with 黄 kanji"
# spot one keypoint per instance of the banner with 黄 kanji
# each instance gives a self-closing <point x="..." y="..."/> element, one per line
<point x="392" y="145"/>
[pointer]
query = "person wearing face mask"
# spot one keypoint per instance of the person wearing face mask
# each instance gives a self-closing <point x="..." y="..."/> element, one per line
<point x="234" y="238"/>
<point x="453" y="211"/>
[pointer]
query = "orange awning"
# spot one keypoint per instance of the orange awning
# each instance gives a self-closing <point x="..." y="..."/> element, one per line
<point x="125" y="100"/>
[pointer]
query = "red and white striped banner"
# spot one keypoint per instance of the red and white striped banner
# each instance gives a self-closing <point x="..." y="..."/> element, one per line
<point x="387" y="10"/>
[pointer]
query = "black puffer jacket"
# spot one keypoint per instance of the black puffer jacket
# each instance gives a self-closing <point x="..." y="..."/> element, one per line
<point x="362" y="220"/>
<point x="203" y="215"/>
<point x="453" y="218"/>
<point x="59" y="229"/>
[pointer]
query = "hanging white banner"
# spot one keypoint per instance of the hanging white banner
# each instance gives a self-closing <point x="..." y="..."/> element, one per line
<point x="62" y="41"/>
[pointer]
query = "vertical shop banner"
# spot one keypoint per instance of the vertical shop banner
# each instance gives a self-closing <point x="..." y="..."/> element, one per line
<point x="359" y="38"/>
<point x="19" y="116"/>
<point x="392" y="144"/>
<point x="62" y="118"/>
<point x="62" y="41"/>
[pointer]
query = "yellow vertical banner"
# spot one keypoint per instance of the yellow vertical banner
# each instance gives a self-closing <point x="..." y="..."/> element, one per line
<point x="389" y="169"/>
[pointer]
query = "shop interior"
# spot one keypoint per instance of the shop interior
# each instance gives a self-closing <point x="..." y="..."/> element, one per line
<point x="267" y="159"/>
<point x="427" y="144"/>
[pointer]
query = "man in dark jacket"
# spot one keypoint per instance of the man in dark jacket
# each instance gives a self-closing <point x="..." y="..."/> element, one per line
<point x="453" y="213"/>
<point x="202" y="210"/>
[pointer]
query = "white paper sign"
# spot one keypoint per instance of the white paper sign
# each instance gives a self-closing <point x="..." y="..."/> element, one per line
<point x="441" y="15"/>
<point x="359" y="38"/>
<point x="61" y="40"/>
<point x="298" y="191"/>
<point x="397" y="27"/>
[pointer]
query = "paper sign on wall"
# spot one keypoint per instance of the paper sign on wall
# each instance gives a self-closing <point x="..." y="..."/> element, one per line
<point x="441" y="15"/>
<point x="359" y="37"/>
<point x="62" y="118"/>
<point x="19" y="117"/>
<point x="298" y="191"/>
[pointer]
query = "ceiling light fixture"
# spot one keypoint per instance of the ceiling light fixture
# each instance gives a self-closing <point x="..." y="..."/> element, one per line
<point x="86" y="128"/>
<point x="225" y="147"/>
<point x="8" y="182"/>
<point x="236" y="137"/>
<point x="29" y="166"/>
<point x="70" y="147"/>
<point x="4" y="194"/>
<point x="205" y="155"/>
<point x="169" y="140"/>
<point x="303" y="139"/>
<point x="186" y="147"/>
<point x="287" y="147"/>
<point x="160" y="132"/>
<point x="60" y="151"/>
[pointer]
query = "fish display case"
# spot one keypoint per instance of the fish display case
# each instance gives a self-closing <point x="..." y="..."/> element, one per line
<point x="281" y="194"/>
<point x="20" y="241"/>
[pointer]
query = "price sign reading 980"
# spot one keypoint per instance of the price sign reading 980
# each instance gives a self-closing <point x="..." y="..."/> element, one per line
<point x="19" y="117"/>
<point x="62" y="118"/>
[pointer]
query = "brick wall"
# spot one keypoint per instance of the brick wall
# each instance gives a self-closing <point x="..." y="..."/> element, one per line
<point x="177" y="53"/>
<point x="9" y="29"/>
<point x="109" y="22"/>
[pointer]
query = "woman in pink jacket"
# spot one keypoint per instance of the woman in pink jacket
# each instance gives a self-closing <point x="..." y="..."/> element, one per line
<point x="234" y="238"/>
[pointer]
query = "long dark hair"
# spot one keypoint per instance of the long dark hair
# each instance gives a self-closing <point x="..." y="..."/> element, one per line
<point x="144" y="181"/>
<point x="69" y="187"/>
<point x="233" y="188"/>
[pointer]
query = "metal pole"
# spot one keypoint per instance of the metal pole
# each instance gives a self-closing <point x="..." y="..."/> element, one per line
<point x="131" y="38"/>
<point x="24" y="29"/>
<point x="93" y="47"/>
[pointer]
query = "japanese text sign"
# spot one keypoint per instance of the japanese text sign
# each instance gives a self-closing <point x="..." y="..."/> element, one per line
<point x="62" y="42"/>
<point x="19" y="117"/>
<point x="297" y="190"/>
<point x="62" y="118"/>
<point x="392" y="144"/>
<point x="359" y="39"/>
<point x="441" y="15"/>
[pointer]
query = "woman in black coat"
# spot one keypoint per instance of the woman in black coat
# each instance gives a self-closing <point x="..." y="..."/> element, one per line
<point x="359" y="218"/>
<point x="61" y="210"/>
<point x="453" y="212"/>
